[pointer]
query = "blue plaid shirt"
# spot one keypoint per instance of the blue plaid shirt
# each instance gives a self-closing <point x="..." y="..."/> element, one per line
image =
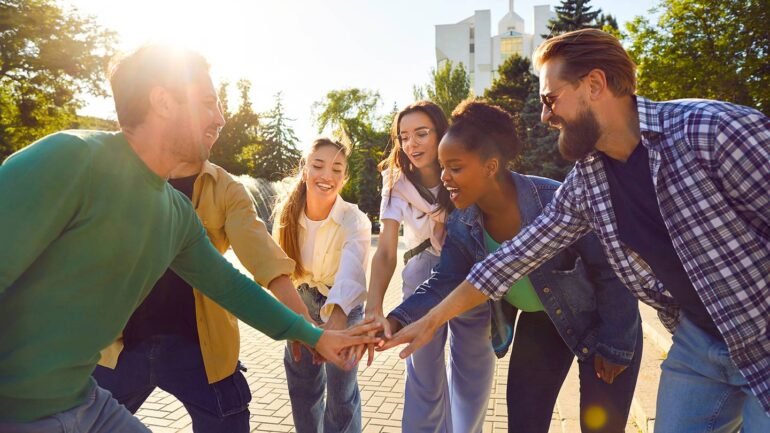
<point x="710" y="164"/>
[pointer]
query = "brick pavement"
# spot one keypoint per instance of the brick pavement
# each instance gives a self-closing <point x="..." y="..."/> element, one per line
<point x="381" y="387"/>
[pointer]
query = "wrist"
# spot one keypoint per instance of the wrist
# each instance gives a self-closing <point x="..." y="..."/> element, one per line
<point x="373" y="310"/>
<point x="433" y="320"/>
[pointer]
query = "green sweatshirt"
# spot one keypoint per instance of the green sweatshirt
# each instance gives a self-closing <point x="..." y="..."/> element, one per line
<point x="87" y="229"/>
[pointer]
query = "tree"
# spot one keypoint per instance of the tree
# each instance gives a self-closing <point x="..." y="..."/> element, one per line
<point x="277" y="154"/>
<point x="704" y="49"/>
<point x="239" y="138"/>
<point x="540" y="155"/>
<point x="449" y="85"/>
<point x="575" y="15"/>
<point x="513" y="84"/>
<point x="352" y="113"/>
<point x="48" y="56"/>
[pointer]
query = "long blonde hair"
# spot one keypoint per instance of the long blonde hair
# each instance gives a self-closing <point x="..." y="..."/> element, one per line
<point x="289" y="210"/>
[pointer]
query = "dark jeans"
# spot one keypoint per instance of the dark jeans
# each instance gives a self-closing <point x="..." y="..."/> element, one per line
<point x="175" y="364"/>
<point x="539" y="364"/>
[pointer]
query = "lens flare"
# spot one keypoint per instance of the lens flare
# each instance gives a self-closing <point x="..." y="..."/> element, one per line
<point x="595" y="417"/>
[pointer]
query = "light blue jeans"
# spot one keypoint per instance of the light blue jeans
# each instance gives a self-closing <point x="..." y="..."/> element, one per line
<point x="441" y="400"/>
<point x="341" y="412"/>
<point x="100" y="413"/>
<point x="702" y="391"/>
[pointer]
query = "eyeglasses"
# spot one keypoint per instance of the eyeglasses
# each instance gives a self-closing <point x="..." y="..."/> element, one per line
<point x="550" y="99"/>
<point x="420" y="136"/>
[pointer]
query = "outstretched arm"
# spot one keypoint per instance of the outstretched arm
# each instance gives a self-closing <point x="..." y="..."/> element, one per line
<point x="419" y="333"/>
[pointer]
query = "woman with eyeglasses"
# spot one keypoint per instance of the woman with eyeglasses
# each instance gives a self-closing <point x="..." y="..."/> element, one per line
<point x="413" y="195"/>
<point x="571" y="306"/>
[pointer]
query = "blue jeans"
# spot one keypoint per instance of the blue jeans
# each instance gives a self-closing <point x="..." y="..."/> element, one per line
<point x="441" y="400"/>
<point x="100" y="413"/>
<point x="538" y="366"/>
<point x="175" y="364"/>
<point x="341" y="412"/>
<point x="701" y="390"/>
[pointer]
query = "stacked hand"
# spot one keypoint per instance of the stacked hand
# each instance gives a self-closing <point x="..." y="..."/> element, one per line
<point x="392" y="334"/>
<point x="337" y="341"/>
<point x="376" y="315"/>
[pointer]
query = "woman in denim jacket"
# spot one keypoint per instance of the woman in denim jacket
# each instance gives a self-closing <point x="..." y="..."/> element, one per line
<point x="573" y="305"/>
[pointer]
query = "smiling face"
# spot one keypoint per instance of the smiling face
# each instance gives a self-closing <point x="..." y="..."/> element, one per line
<point x="196" y="122"/>
<point x="417" y="135"/>
<point x="324" y="172"/>
<point x="566" y="108"/>
<point x="464" y="173"/>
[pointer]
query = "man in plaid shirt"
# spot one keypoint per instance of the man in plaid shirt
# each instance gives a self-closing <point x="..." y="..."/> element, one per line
<point x="679" y="194"/>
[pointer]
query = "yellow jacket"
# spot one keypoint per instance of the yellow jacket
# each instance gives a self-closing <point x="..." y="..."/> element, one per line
<point x="227" y="212"/>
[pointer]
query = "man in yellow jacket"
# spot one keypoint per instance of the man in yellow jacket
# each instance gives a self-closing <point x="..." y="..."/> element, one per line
<point x="182" y="341"/>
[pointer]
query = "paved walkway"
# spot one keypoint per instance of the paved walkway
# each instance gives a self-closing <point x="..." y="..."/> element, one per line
<point x="381" y="387"/>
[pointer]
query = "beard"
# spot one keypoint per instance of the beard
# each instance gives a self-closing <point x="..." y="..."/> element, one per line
<point x="578" y="138"/>
<point x="185" y="146"/>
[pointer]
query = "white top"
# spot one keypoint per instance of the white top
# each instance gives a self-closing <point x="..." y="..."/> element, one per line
<point x="308" y="246"/>
<point x="416" y="223"/>
<point x="339" y="253"/>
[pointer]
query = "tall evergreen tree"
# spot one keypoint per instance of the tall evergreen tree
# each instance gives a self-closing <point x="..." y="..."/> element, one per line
<point x="574" y="15"/>
<point x="277" y="155"/>
<point x="540" y="155"/>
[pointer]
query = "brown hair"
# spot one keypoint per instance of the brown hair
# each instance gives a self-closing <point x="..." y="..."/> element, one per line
<point x="132" y="77"/>
<point x="397" y="159"/>
<point x="587" y="49"/>
<point x="485" y="129"/>
<point x="290" y="209"/>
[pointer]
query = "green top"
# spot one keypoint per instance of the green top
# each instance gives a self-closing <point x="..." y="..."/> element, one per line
<point x="522" y="295"/>
<point x="87" y="229"/>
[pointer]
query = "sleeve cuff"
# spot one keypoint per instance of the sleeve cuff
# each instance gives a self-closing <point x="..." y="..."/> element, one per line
<point x="620" y="357"/>
<point x="303" y="331"/>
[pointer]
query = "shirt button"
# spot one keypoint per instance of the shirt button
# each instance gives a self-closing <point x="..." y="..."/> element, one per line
<point x="546" y="290"/>
<point x="569" y="331"/>
<point x="585" y="350"/>
<point x="558" y="311"/>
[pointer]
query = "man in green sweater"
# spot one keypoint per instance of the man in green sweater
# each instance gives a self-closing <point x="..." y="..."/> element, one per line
<point x="90" y="224"/>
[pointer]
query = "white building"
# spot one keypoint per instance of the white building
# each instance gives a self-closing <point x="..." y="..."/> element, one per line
<point x="471" y="42"/>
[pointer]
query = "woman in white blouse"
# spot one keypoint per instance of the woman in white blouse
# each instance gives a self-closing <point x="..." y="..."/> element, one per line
<point x="329" y="239"/>
<point x="413" y="194"/>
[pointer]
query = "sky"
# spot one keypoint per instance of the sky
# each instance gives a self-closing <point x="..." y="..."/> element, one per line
<point x="305" y="48"/>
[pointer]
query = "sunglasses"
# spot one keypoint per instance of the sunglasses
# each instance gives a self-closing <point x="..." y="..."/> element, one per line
<point x="549" y="99"/>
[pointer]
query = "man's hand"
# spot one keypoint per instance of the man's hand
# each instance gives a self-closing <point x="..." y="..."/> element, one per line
<point x="417" y="334"/>
<point x="332" y="343"/>
<point x="607" y="370"/>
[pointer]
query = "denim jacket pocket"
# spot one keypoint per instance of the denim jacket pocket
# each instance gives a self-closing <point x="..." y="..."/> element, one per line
<point x="574" y="286"/>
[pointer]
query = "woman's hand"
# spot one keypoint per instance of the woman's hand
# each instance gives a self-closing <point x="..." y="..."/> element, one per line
<point x="378" y="317"/>
<point x="417" y="334"/>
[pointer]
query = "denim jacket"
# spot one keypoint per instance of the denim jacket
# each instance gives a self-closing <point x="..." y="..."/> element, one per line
<point x="589" y="306"/>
